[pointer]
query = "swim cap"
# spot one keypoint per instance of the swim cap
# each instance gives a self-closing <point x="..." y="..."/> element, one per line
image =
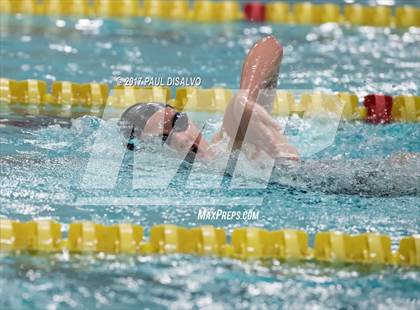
<point x="134" y="119"/>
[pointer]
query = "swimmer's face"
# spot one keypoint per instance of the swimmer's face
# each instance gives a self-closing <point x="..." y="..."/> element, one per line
<point x="182" y="137"/>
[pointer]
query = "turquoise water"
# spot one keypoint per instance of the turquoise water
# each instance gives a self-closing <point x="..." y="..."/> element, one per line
<point x="43" y="160"/>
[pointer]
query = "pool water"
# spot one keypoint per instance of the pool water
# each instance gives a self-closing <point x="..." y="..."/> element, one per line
<point x="43" y="160"/>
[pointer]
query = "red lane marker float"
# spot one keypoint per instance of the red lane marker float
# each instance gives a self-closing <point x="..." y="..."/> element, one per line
<point x="378" y="108"/>
<point x="254" y="11"/>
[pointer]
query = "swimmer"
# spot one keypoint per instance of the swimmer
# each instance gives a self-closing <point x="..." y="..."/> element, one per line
<point x="392" y="176"/>
<point x="260" y="72"/>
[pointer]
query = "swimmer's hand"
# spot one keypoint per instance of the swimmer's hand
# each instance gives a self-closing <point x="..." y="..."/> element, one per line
<point x="261" y="130"/>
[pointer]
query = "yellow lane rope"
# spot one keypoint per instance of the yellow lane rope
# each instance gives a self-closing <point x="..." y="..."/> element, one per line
<point x="70" y="99"/>
<point x="245" y="243"/>
<point x="221" y="11"/>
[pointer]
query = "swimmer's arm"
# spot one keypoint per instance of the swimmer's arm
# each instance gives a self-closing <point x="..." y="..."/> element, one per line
<point x="260" y="72"/>
<point x="261" y="67"/>
<point x="262" y="131"/>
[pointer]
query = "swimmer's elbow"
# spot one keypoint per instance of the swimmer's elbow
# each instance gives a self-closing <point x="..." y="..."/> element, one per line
<point x="274" y="46"/>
